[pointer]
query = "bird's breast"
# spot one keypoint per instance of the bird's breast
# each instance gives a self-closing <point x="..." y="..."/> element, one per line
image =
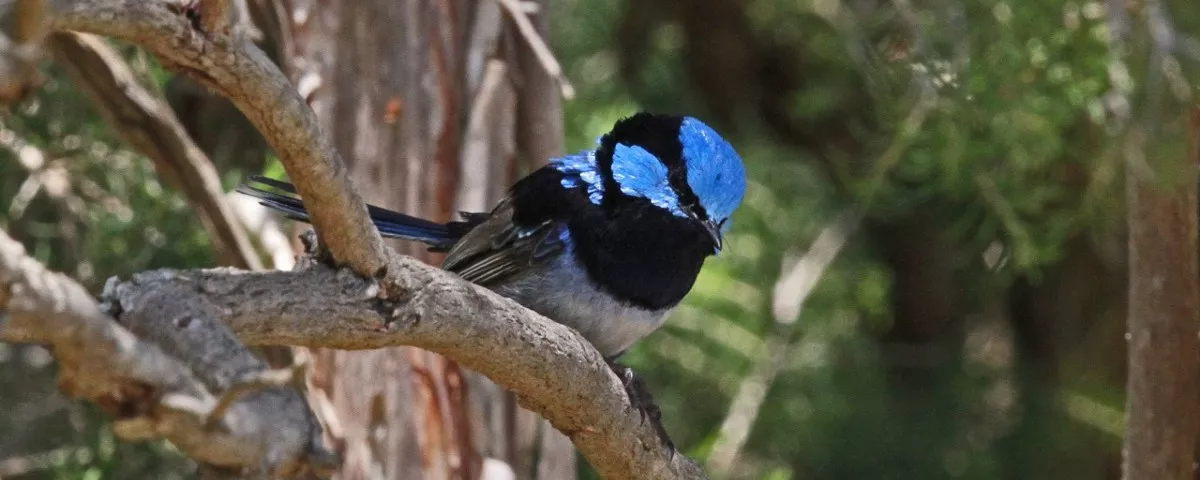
<point x="561" y="291"/>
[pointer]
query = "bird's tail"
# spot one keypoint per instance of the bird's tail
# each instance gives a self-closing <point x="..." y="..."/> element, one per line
<point x="390" y="224"/>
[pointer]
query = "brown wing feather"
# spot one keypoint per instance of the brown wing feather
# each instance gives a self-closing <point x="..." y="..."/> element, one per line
<point x="496" y="249"/>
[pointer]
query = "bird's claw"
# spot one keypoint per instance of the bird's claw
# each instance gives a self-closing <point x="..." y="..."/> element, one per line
<point x="641" y="400"/>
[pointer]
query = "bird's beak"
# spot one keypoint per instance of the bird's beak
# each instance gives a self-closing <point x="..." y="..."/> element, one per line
<point x="714" y="232"/>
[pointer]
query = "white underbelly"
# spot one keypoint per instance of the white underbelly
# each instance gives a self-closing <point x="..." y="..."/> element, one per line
<point x="610" y="325"/>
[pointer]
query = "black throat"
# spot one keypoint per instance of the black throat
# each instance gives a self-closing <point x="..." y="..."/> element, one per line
<point x="640" y="253"/>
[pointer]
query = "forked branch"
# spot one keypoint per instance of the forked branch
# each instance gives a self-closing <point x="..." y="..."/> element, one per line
<point x="379" y="299"/>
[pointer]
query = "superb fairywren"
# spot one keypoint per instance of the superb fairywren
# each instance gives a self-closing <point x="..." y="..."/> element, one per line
<point x="606" y="241"/>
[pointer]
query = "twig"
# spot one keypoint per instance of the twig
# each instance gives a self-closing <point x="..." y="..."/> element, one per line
<point x="268" y="227"/>
<point x="792" y="289"/>
<point x="244" y="75"/>
<point x="494" y="95"/>
<point x="147" y="124"/>
<point x="538" y="45"/>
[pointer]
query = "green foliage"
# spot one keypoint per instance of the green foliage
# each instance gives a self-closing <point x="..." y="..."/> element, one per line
<point x="994" y="120"/>
<point x="1015" y="123"/>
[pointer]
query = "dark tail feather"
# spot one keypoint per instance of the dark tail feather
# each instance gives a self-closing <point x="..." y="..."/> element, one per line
<point x="389" y="223"/>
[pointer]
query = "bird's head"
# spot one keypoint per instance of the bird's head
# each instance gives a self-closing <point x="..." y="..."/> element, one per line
<point x="676" y="163"/>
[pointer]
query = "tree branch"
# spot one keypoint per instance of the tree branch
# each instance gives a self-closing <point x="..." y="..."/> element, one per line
<point x="144" y="120"/>
<point x="392" y="300"/>
<point x="540" y="50"/>
<point x="552" y="369"/>
<point x="241" y="72"/>
<point x="184" y="349"/>
<point x="165" y="386"/>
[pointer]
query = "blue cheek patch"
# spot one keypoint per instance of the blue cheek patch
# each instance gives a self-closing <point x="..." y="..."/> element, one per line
<point x="714" y="169"/>
<point x="641" y="174"/>
<point x="580" y="170"/>
<point x="638" y="172"/>
<point x="714" y="172"/>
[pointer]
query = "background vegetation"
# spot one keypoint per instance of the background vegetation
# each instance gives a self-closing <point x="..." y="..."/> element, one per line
<point x="972" y="327"/>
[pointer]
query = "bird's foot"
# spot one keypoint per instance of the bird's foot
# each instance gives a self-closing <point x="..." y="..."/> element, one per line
<point x="641" y="400"/>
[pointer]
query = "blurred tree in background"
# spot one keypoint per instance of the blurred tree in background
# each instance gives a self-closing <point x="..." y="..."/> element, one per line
<point x="971" y="327"/>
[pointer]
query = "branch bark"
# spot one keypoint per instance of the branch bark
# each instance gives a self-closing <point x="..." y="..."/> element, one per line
<point x="550" y="367"/>
<point x="161" y="371"/>
<point x="241" y="72"/>
<point x="144" y="120"/>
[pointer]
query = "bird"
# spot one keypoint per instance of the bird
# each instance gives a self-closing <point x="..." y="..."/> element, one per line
<point x="607" y="241"/>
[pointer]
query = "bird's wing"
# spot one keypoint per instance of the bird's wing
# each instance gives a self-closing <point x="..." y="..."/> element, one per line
<point x="496" y="248"/>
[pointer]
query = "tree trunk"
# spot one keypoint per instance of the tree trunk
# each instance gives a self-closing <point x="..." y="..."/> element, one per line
<point x="423" y="99"/>
<point x="1161" y="409"/>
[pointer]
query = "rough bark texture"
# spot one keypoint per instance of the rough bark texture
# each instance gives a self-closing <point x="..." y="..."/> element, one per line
<point x="551" y="369"/>
<point x="219" y="403"/>
<point x="1162" y="414"/>
<point x="161" y="371"/>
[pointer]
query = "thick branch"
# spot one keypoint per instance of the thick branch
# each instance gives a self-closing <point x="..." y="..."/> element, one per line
<point x="241" y="72"/>
<point x="165" y="381"/>
<point x="145" y="121"/>
<point x="552" y="369"/>
<point x="184" y="349"/>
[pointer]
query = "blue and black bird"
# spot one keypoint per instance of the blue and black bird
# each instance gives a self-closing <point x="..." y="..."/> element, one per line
<point x="606" y="241"/>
